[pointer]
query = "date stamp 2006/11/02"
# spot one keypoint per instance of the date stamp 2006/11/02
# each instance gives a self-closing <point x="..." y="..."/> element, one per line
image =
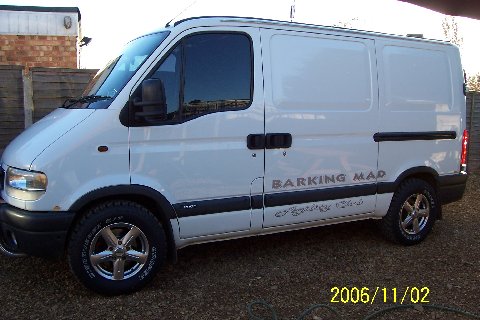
<point x="367" y="295"/>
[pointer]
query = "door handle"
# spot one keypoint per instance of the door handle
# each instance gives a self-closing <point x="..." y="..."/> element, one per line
<point x="278" y="140"/>
<point x="256" y="141"/>
<point x="269" y="141"/>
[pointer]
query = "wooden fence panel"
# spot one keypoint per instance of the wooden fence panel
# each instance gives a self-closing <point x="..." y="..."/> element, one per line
<point x="52" y="86"/>
<point x="473" y="126"/>
<point x="11" y="104"/>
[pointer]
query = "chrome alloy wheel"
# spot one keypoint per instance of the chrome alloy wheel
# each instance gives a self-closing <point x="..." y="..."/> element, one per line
<point x="118" y="251"/>
<point x="414" y="214"/>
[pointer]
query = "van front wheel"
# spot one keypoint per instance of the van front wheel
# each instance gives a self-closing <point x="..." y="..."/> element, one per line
<point x="116" y="248"/>
<point x="412" y="213"/>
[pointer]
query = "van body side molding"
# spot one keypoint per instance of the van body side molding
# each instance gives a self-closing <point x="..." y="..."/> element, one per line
<point x="410" y="136"/>
<point x="297" y="197"/>
<point x="194" y="208"/>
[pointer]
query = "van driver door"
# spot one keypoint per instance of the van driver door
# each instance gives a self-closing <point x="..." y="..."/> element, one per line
<point x="191" y="143"/>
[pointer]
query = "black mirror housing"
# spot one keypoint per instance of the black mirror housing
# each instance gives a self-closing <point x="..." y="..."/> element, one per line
<point x="153" y="92"/>
<point x="152" y="105"/>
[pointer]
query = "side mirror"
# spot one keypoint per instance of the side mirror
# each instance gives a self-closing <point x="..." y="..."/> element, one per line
<point x="153" y="93"/>
<point x="152" y="107"/>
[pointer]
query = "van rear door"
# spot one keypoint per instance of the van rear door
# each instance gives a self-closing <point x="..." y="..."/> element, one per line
<point x="422" y="107"/>
<point x="321" y="112"/>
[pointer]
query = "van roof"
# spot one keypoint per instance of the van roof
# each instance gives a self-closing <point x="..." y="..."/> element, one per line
<point x="228" y="20"/>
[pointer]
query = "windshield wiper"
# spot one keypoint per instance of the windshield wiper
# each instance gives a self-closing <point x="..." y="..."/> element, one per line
<point x="85" y="99"/>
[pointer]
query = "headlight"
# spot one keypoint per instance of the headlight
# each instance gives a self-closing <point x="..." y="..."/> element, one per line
<point x="25" y="185"/>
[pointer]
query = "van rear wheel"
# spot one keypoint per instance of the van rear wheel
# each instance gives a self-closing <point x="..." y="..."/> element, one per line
<point x="412" y="213"/>
<point x="117" y="248"/>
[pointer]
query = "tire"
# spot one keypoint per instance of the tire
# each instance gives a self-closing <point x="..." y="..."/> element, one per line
<point x="117" y="248"/>
<point x="412" y="213"/>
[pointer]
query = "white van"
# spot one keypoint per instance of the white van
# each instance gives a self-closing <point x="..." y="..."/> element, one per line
<point x="217" y="128"/>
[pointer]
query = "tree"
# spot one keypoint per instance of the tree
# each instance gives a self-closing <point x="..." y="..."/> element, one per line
<point x="450" y="31"/>
<point x="473" y="83"/>
<point x="347" y="24"/>
<point x="452" y="34"/>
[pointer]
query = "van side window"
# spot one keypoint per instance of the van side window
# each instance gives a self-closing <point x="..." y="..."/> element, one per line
<point x="164" y="107"/>
<point x="204" y="73"/>
<point x="169" y="73"/>
<point x="217" y="73"/>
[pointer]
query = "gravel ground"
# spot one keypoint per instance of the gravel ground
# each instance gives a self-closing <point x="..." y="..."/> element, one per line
<point x="291" y="271"/>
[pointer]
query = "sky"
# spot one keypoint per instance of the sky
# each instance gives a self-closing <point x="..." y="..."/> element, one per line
<point x="112" y="23"/>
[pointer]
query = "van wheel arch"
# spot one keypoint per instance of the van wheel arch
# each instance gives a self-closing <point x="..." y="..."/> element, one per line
<point x="412" y="212"/>
<point x="424" y="173"/>
<point x="142" y="195"/>
<point x="117" y="247"/>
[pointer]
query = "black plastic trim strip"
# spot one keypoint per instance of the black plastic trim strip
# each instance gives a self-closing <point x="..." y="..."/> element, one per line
<point x="452" y="187"/>
<point x="451" y="180"/>
<point x="257" y="202"/>
<point x="441" y="181"/>
<point x="2" y="178"/>
<point x="36" y="221"/>
<point x="410" y="136"/>
<point x="386" y="187"/>
<point x="390" y="187"/>
<point x="37" y="233"/>
<point x="120" y="191"/>
<point x="195" y="208"/>
<point x="296" y="197"/>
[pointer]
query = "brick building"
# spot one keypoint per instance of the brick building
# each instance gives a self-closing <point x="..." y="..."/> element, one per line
<point x="39" y="36"/>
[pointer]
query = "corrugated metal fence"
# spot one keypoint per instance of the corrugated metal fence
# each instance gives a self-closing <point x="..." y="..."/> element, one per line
<point x="25" y="97"/>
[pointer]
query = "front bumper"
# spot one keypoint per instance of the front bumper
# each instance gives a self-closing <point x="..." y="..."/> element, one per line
<point x="34" y="233"/>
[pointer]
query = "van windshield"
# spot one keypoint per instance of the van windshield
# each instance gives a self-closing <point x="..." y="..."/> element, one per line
<point x="106" y="85"/>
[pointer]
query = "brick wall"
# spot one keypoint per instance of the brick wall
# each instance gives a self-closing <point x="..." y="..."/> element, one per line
<point x="38" y="51"/>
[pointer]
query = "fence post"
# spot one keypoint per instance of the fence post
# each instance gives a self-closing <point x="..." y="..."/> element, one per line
<point x="472" y="106"/>
<point x="27" y="96"/>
